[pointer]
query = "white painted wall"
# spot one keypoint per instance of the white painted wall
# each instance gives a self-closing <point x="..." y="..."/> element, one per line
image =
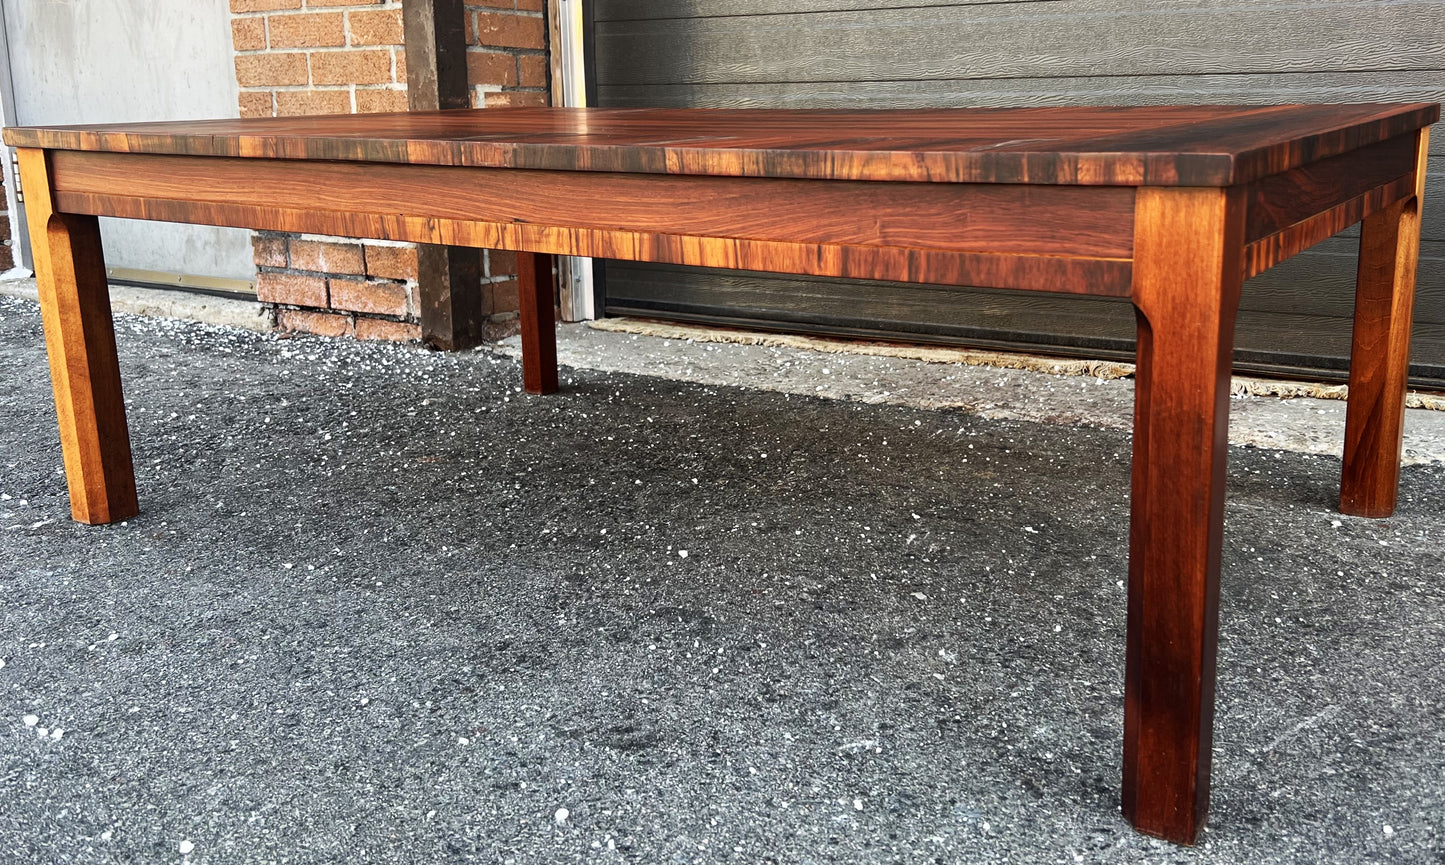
<point x="101" y="61"/>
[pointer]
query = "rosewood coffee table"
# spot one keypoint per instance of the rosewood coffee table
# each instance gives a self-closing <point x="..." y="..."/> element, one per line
<point x="1171" y="207"/>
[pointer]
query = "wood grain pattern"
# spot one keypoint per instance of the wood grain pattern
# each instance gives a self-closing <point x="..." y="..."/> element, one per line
<point x="1379" y="357"/>
<point x="1348" y="87"/>
<point x="80" y="341"/>
<point x="1187" y="280"/>
<point x="539" y="328"/>
<point x="1266" y="252"/>
<point x="997" y="218"/>
<point x="1047" y="238"/>
<point x="448" y="285"/>
<point x="436" y="54"/>
<point x="1161" y="145"/>
<point x="449" y="296"/>
<point x="1281" y="200"/>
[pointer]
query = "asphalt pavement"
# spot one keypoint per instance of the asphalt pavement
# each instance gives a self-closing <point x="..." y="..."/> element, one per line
<point x="381" y="606"/>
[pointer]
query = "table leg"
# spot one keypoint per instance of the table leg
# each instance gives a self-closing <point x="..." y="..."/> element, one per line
<point x="539" y="328"/>
<point x="80" y="340"/>
<point x="1380" y="354"/>
<point x="1187" y="280"/>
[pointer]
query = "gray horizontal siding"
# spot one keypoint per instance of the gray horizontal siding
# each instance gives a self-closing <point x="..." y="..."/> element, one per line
<point x="916" y="53"/>
<point x="1104" y="38"/>
<point x="1224" y="89"/>
<point x="1293" y="337"/>
<point x="657" y="10"/>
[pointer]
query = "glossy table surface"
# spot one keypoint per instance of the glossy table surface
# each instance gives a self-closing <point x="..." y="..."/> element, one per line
<point x="1209" y="145"/>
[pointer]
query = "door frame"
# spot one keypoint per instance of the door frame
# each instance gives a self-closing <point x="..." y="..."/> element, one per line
<point x="574" y="85"/>
<point x="14" y="195"/>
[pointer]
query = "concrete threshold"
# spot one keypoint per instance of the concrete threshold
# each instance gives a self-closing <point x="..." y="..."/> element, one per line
<point x="1265" y="414"/>
<point x="163" y="303"/>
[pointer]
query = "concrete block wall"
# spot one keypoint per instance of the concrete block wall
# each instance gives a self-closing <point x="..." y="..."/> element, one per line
<point x="305" y="57"/>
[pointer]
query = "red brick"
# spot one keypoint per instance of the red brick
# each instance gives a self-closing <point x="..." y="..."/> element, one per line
<point x="375" y="297"/>
<point x="323" y="256"/>
<point x="534" y="70"/>
<point x="322" y="323"/>
<point x="290" y="288"/>
<point x="376" y="27"/>
<point x="491" y="67"/>
<point x="505" y="297"/>
<point x="507" y="30"/>
<point x="297" y="103"/>
<point x="270" y="70"/>
<point x="248" y="34"/>
<point x="493" y="4"/>
<point x="391" y="262"/>
<point x="514" y="98"/>
<point x="400" y="65"/>
<point x="501" y="262"/>
<point x="313" y="3"/>
<point x="268" y="250"/>
<point x="531" y="5"/>
<point x="375" y="101"/>
<point x="263" y="5"/>
<point x="351" y="67"/>
<point x="256" y="103"/>
<point x="308" y="30"/>
<point x="394" y="331"/>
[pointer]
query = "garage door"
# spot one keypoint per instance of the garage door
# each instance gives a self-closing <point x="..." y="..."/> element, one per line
<point x="913" y="53"/>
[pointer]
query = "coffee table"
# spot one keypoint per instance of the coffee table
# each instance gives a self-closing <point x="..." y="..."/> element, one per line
<point x="1172" y="207"/>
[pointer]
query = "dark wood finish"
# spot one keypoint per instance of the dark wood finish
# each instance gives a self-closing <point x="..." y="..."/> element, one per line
<point x="436" y="54"/>
<point x="1280" y="201"/>
<point x="449" y="278"/>
<point x="1031" y="199"/>
<point x="1379" y="358"/>
<point x="1208" y="145"/>
<point x="539" y="328"/>
<point x="1188" y="245"/>
<point x="1008" y="219"/>
<point x="80" y="340"/>
<point x="1266" y="252"/>
<point x="1011" y="235"/>
<point x="449" y="296"/>
<point x="1292" y="211"/>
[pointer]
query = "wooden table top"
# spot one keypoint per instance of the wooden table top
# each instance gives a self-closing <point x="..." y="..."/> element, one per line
<point x="1208" y="145"/>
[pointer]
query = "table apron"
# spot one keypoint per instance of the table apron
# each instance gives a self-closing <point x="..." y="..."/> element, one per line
<point x="1049" y="238"/>
<point x="1289" y="212"/>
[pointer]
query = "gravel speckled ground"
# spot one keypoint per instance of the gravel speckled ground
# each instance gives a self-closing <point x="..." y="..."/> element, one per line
<point x="382" y="607"/>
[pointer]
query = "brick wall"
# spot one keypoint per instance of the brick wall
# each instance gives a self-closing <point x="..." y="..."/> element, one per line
<point x="507" y="52"/>
<point x="297" y="57"/>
